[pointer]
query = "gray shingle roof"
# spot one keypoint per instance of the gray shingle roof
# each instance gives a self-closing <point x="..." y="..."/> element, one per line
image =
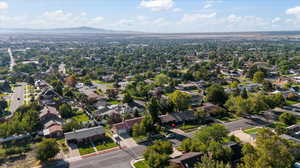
<point x="84" y="133"/>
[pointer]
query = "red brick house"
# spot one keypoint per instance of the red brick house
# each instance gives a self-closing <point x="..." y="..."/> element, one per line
<point x="125" y="126"/>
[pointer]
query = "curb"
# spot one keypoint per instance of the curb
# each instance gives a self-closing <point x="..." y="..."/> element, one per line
<point x="132" y="162"/>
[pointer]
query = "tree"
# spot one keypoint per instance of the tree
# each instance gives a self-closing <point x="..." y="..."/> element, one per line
<point x="239" y="105"/>
<point x="157" y="155"/>
<point x="58" y="86"/>
<point x="258" y="77"/>
<point x="65" y="111"/>
<point x="47" y="149"/>
<point x="267" y="85"/>
<point x="127" y="98"/>
<point x="258" y="103"/>
<point x="214" y="132"/>
<point x="111" y="93"/>
<point x="216" y="94"/>
<point x="288" y="119"/>
<point x="201" y="114"/>
<point x="269" y="152"/>
<point x="181" y="100"/>
<point x="234" y="84"/>
<point x="72" y="125"/>
<point x="71" y="81"/>
<point x="207" y="162"/>
<point x="244" y="94"/>
<point x="219" y="151"/>
<point x="3" y="104"/>
<point x="161" y="79"/>
<point x="153" y="109"/>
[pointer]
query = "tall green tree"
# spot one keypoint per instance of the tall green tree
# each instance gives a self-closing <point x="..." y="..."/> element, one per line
<point x="216" y="94"/>
<point x="47" y="149"/>
<point x="181" y="100"/>
<point x="258" y="77"/>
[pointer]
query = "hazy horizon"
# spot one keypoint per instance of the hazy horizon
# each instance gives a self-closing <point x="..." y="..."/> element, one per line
<point x="155" y="16"/>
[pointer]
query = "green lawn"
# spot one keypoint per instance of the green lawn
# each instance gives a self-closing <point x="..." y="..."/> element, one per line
<point x="229" y="118"/>
<point x="85" y="149"/>
<point x="291" y="102"/>
<point x="62" y="145"/>
<point x="189" y="127"/>
<point x="252" y="130"/>
<point x="141" y="164"/>
<point x="104" y="144"/>
<point x="3" y="94"/>
<point x="102" y="83"/>
<point x="114" y="102"/>
<point x="81" y="117"/>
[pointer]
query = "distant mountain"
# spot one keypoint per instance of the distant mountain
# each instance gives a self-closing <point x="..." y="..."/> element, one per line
<point x="62" y="30"/>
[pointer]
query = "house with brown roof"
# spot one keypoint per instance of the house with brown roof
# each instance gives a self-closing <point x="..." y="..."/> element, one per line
<point x="53" y="131"/>
<point x="52" y="122"/>
<point x="126" y="125"/>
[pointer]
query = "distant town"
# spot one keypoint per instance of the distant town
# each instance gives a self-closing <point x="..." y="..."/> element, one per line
<point x="83" y="99"/>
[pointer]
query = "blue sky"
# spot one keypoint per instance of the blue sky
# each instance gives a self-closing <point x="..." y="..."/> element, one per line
<point x="153" y="15"/>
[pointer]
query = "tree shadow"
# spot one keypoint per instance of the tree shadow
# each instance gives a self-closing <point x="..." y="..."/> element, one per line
<point x="58" y="163"/>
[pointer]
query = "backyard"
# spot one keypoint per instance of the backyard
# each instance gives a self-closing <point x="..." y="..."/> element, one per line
<point x="81" y="116"/>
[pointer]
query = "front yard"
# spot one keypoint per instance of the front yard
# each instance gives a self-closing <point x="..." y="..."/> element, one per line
<point x="100" y="145"/>
<point x="104" y="144"/>
<point x="86" y="148"/>
<point x="189" y="127"/>
<point x="252" y="130"/>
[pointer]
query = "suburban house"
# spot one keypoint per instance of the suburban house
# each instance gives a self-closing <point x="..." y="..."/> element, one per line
<point x="187" y="160"/>
<point x="125" y="126"/>
<point x="173" y="119"/>
<point x="210" y="108"/>
<point x="47" y="96"/>
<point x="85" y="134"/>
<point x="91" y="94"/>
<point x="52" y="122"/>
<point x="49" y="113"/>
<point x="294" y="130"/>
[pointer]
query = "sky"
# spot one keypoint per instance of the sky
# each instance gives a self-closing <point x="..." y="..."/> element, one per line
<point x="163" y="16"/>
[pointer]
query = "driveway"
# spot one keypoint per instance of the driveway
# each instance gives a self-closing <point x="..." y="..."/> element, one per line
<point x="245" y="138"/>
<point x="244" y="124"/>
<point x="116" y="159"/>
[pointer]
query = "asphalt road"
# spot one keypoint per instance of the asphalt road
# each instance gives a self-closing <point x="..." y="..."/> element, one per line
<point x="244" y="124"/>
<point x="12" y="60"/>
<point x="17" y="98"/>
<point x="116" y="159"/>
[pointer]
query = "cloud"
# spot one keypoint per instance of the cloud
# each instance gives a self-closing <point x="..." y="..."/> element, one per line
<point x="210" y="3"/>
<point x="3" y="5"/>
<point x="157" y="5"/>
<point x="196" y="17"/>
<point x="294" y="11"/>
<point x="275" y="20"/>
<point x="51" y="19"/>
<point x="177" y="10"/>
<point x="206" y="6"/>
<point x="245" y="23"/>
